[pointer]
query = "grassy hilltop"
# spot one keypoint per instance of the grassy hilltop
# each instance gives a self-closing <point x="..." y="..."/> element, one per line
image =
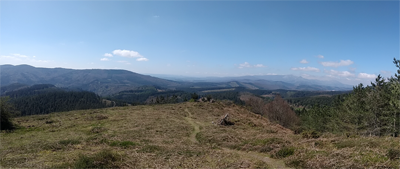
<point x="180" y="135"/>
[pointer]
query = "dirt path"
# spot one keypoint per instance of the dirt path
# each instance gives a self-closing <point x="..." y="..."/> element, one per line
<point x="195" y="125"/>
<point x="273" y="163"/>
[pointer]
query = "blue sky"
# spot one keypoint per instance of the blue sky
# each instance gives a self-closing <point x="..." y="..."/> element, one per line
<point x="350" y="41"/>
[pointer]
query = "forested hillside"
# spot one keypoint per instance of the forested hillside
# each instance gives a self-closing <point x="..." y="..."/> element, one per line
<point x="46" y="98"/>
<point x="57" y="101"/>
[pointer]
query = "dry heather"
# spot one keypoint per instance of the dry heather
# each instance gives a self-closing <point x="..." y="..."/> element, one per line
<point x="179" y="136"/>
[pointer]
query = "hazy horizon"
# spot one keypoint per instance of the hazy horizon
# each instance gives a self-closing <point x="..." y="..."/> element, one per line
<point x="351" y="42"/>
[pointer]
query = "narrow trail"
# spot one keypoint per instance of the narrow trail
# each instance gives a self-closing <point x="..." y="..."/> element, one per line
<point x="273" y="163"/>
<point x="195" y="125"/>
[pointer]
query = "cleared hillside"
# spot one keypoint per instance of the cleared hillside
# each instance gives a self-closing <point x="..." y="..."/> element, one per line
<point x="179" y="136"/>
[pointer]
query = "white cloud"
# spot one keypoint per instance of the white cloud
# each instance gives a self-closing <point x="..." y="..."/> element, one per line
<point x="320" y="56"/>
<point x="247" y="65"/>
<point x="142" y="59"/>
<point x="339" y="73"/>
<point x="104" y="59"/>
<point x="108" y="55"/>
<point x="244" y="65"/>
<point x="304" y="61"/>
<point x="127" y="53"/>
<point x="366" y="76"/>
<point x="259" y="65"/>
<point x="19" y="55"/>
<point x="20" y="59"/>
<point x="156" y="16"/>
<point x="306" y="69"/>
<point x="337" y="64"/>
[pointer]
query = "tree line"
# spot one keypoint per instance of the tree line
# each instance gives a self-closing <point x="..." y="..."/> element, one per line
<point x="367" y="110"/>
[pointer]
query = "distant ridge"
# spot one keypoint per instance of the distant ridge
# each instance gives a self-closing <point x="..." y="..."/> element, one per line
<point x="100" y="81"/>
<point x="106" y="82"/>
<point x="269" y="82"/>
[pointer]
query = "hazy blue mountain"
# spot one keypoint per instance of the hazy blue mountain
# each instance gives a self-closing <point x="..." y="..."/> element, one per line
<point x="269" y="82"/>
<point x="100" y="81"/>
<point x="106" y="82"/>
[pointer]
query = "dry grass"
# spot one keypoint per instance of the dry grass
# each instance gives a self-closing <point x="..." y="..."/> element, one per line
<point x="161" y="136"/>
<point x="343" y="152"/>
<point x="154" y="136"/>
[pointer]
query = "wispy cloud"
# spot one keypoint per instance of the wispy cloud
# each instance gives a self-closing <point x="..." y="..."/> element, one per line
<point x="142" y="59"/>
<point x="104" y="59"/>
<point x="248" y="65"/>
<point x="313" y="69"/>
<point x="339" y="73"/>
<point x="304" y="61"/>
<point x="20" y="59"/>
<point x="156" y="16"/>
<point x="320" y="56"/>
<point x="337" y="64"/>
<point x="108" y="55"/>
<point x="244" y="65"/>
<point x="366" y="76"/>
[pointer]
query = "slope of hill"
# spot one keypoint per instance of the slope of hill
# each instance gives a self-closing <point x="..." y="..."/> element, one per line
<point x="179" y="136"/>
<point x="102" y="82"/>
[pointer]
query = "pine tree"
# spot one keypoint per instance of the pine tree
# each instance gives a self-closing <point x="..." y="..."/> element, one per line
<point x="5" y="112"/>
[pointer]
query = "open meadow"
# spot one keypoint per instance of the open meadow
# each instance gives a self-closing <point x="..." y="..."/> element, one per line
<point x="184" y="135"/>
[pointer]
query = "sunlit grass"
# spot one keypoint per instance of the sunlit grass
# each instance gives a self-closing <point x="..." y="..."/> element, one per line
<point x="160" y="136"/>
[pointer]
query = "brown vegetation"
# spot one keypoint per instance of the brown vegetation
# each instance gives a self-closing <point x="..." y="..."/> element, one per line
<point x="278" y="110"/>
<point x="181" y="136"/>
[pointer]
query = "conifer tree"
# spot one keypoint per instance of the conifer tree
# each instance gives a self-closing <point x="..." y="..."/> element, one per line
<point x="5" y="112"/>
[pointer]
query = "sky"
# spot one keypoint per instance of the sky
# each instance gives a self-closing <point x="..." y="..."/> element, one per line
<point x="348" y="41"/>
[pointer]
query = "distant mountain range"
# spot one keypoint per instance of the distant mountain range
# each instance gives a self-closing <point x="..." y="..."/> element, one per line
<point x="107" y="82"/>
<point x="100" y="81"/>
<point x="268" y="82"/>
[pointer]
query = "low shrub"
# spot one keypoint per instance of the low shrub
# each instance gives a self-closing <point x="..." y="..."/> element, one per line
<point x="103" y="159"/>
<point x="150" y="149"/>
<point x="97" y="129"/>
<point x="101" y="117"/>
<point x="123" y="144"/>
<point x="284" y="152"/>
<point x="393" y="154"/>
<point x="261" y="164"/>
<point x="346" y="143"/>
<point x="310" y="134"/>
<point x="69" y="142"/>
